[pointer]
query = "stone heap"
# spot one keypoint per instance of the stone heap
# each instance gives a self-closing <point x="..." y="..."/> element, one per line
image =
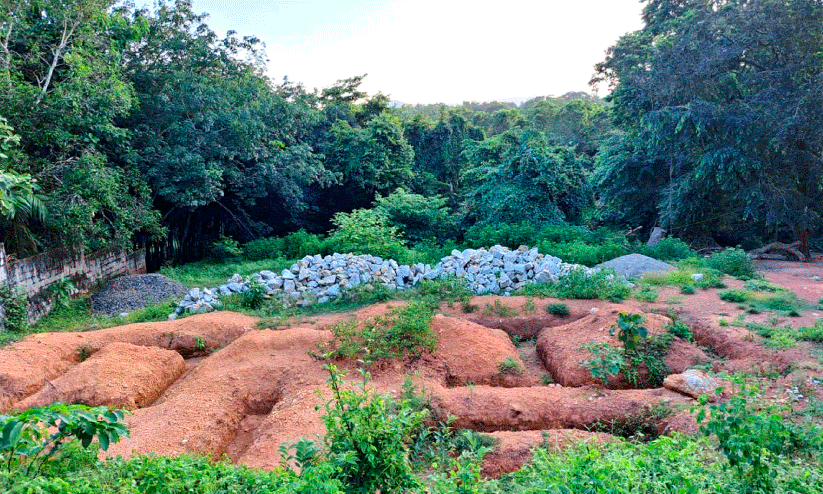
<point x="317" y="279"/>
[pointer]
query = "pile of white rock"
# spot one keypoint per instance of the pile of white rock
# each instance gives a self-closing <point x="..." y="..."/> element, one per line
<point x="317" y="279"/>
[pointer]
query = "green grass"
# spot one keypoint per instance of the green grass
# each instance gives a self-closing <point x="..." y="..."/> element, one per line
<point x="578" y="285"/>
<point x="209" y="275"/>
<point x="762" y="297"/>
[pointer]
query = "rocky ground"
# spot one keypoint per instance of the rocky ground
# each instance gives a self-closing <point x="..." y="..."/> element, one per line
<point x="215" y="384"/>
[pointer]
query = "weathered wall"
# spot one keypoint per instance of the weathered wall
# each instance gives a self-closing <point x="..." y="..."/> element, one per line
<point x="34" y="275"/>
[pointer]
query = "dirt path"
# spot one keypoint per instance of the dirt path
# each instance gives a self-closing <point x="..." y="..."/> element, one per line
<point x="212" y="384"/>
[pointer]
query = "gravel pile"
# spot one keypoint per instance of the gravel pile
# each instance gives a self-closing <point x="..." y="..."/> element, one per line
<point x="317" y="279"/>
<point x="129" y="293"/>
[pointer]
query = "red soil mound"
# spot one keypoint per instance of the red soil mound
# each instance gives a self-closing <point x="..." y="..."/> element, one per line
<point x="121" y="375"/>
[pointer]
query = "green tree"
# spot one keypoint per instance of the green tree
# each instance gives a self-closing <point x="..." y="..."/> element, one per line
<point x="722" y="98"/>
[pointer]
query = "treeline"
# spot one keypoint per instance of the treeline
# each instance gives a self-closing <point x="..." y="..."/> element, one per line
<point x="126" y="127"/>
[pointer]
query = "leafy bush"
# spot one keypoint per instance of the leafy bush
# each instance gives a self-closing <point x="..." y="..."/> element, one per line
<point x="505" y="234"/>
<point x="498" y="309"/>
<point x="669" y="249"/>
<point x="580" y="285"/>
<point x="368" y="438"/>
<point x="365" y="231"/>
<point x="418" y="217"/>
<point x="753" y="440"/>
<point x="607" y="360"/>
<point x="646" y="294"/>
<point x="225" y="249"/>
<point x="510" y="366"/>
<point x="61" y="291"/>
<point x="560" y="310"/>
<point x="734" y="296"/>
<point x="680" y="330"/>
<point x="629" y="329"/>
<point x="403" y="331"/>
<point x="734" y="262"/>
<point x="15" y="309"/>
<point x="31" y="438"/>
<point x="579" y="252"/>
<point x="294" y="245"/>
<point x="254" y="297"/>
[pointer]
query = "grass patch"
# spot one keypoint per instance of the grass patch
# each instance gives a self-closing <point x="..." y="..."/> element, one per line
<point x="510" y="366"/>
<point x="646" y="294"/>
<point x="761" y="296"/>
<point x="559" y="310"/>
<point x="208" y="274"/>
<point x="579" y="285"/>
<point x="498" y="309"/>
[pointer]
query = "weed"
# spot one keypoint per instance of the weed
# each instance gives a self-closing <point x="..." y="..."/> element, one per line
<point x="403" y="331"/>
<point x="498" y="309"/>
<point x="254" y="297"/>
<point x="199" y="342"/>
<point x="629" y="329"/>
<point x="734" y="262"/>
<point x="528" y="306"/>
<point x="646" y="294"/>
<point x="15" y="309"/>
<point x="734" y="296"/>
<point x="510" y="366"/>
<point x="84" y="352"/>
<point x="546" y="379"/>
<point x="680" y="330"/>
<point x="687" y="289"/>
<point x="560" y="310"/>
<point x="649" y="354"/>
<point x="579" y="284"/>
<point x="608" y="361"/>
<point x="61" y="291"/>
<point x="639" y="427"/>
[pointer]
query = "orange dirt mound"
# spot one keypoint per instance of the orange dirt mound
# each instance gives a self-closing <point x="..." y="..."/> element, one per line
<point x="121" y="375"/>
<point x="514" y="449"/>
<point x="26" y="366"/>
<point x="470" y="353"/>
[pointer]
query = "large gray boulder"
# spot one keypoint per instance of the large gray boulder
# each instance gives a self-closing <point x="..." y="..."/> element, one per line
<point x="633" y="266"/>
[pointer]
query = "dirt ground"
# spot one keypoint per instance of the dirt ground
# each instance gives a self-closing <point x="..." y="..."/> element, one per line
<point x="214" y="384"/>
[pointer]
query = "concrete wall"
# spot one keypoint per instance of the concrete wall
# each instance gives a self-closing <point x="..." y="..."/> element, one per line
<point x="34" y="275"/>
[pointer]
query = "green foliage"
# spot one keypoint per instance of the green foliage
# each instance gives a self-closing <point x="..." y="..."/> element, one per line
<point x="528" y="306"/>
<point x="580" y="285"/>
<point x="759" y="300"/>
<point x="646" y="294"/>
<point x="510" y="366"/>
<point x="28" y="439"/>
<point x="295" y="245"/>
<point x="368" y="438"/>
<point x="734" y="262"/>
<point x="607" y="361"/>
<point x="649" y="354"/>
<point x="681" y="330"/>
<point x="668" y="249"/>
<point x="629" y="330"/>
<point x="580" y="252"/>
<point x="560" y="310"/>
<point x="62" y="290"/>
<point x="365" y="231"/>
<point x="15" y="309"/>
<point x="403" y="331"/>
<point x="754" y="441"/>
<point x="687" y="289"/>
<point x="418" y="217"/>
<point x="498" y="309"/>
<point x="225" y="249"/>
<point x="254" y="297"/>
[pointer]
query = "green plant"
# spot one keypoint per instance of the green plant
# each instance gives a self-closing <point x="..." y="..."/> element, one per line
<point x="254" y="296"/>
<point x="753" y="440"/>
<point x="646" y="294"/>
<point x="498" y="309"/>
<point x="607" y="360"/>
<point x="199" y="342"/>
<point x="84" y="352"/>
<point x="579" y="284"/>
<point x="732" y="295"/>
<point x="560" y="310"/>
<point x="650" y="354"/>
<point x="510" y="366"/>
<point x="403" y="331"/>
<point x="680" y="330"/>
<point x="546" y="379"/>
<point x="31" y="438"/>
<point x="14" y="307"/>
<point x="687" y="289"/>
<point x="61" y="291"/>
<point x="734" y="262"/>
<point x="224" y="249"/>
<point x="629" y="329"/>
<point x="368" y="436"/>
<point x="528" y="306"/>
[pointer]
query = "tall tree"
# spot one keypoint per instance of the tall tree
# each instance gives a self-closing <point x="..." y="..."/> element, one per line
<point x="724" y="97"/>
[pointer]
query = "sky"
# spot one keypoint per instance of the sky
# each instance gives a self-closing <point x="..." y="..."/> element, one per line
<point x="433" y="51"/>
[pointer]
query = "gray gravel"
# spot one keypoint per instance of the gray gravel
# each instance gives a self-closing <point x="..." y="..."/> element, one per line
<point x="129" y="293"/>
<point x="634" y="266"/>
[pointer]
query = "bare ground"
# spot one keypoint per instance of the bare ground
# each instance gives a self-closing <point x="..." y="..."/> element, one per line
<point x="213" y="384"/>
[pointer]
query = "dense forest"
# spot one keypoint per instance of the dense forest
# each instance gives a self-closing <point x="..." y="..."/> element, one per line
<point x="133" y="127"/>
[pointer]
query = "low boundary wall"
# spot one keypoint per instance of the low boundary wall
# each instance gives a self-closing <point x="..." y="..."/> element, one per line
<point x="34" y="275"/>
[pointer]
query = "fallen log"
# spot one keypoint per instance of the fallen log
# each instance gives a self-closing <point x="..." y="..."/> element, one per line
<point x="792" y="249"/>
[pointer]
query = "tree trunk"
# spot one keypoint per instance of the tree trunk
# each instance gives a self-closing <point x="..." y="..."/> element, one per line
<point x="802" y="237"/>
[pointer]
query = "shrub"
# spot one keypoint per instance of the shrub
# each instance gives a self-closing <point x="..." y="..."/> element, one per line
<point x="680" y="330"/>
<point x="607" y="360"/>
<point x="646" y="294"/>
<point x="734" y="296"/>
<point x="365" y="231"/>
<point x="629" y="329"/>
<point x="31" y="438"/>
<point x="560" y="310"/>
<point x="368" y="436"/>
<point x="15" y="308"/>
<point x="225" y="249"/>
<point x="510" y="366"/>
<point x="579" y="252"/>
<point x="734" y="262"/>
<point x="580" y="285"/>
<point x="254" y="297"/>
<point x="669" y="249"/>
<point x="403" y="331"/>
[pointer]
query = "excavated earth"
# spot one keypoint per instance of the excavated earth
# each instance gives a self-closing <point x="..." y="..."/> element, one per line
<point x="214" y="384"/>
